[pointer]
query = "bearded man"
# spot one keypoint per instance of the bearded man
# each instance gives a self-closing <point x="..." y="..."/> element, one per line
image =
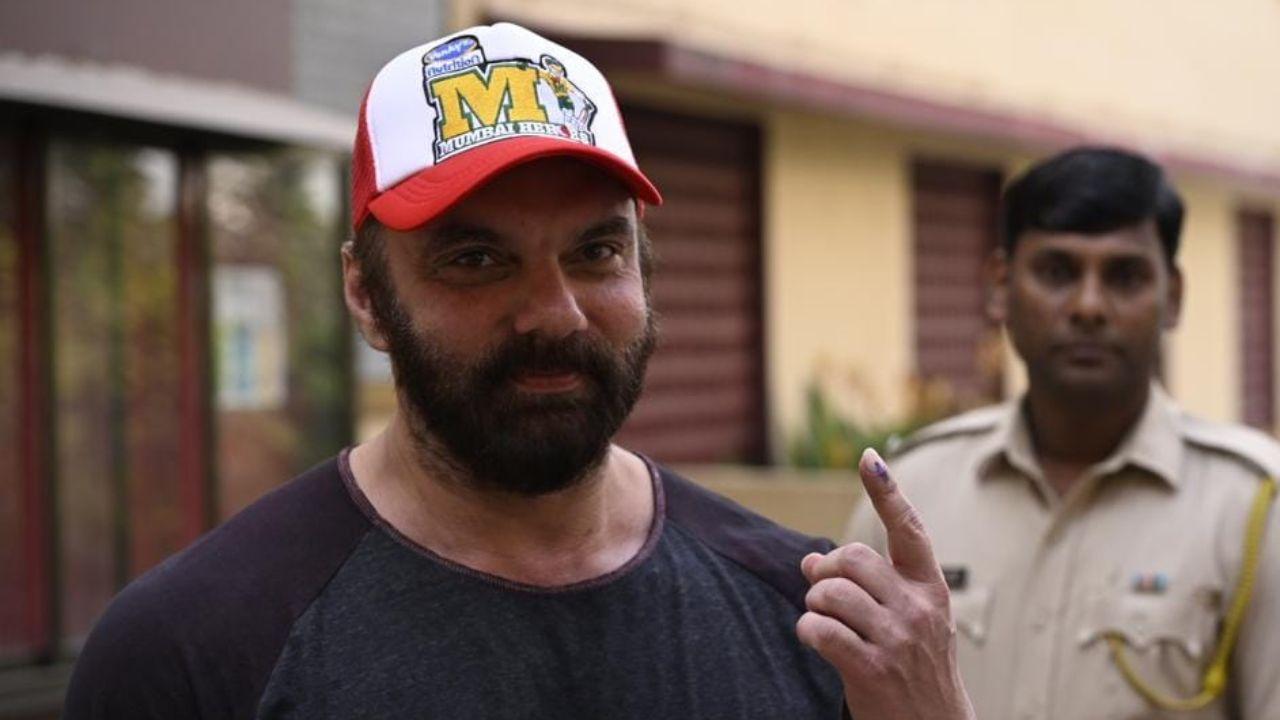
<point x="491" y="553"/>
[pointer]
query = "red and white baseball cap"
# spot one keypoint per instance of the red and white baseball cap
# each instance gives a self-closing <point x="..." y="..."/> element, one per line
<point x="442" y="119"/>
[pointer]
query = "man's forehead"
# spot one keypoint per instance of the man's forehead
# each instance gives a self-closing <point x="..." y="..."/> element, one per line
<point x="450" y="230"/>
<point x="513" y="230"/>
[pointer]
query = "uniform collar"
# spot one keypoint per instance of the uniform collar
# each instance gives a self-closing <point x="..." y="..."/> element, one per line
<point x="1154" y="444"/>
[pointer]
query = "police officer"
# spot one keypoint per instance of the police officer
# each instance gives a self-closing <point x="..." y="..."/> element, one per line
<point x="1109" y="556"/>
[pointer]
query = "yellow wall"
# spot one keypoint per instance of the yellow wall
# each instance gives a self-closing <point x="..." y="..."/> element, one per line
<point x="839" y="278"/>
<point x="1180" y="74"/>
<point x="1204" y="352"/>
<point x="838" y="281"/>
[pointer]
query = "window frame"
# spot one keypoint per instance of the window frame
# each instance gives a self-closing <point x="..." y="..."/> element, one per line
<point x="30" y="130"/>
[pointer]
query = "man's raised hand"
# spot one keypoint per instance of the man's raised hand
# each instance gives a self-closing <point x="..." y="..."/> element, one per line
<point x="885" y="623"/>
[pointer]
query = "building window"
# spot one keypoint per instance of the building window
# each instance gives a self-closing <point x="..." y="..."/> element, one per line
<point x="954" y="227"/>
<point x="704" y="392"/>
<point x="1256" y="232"/>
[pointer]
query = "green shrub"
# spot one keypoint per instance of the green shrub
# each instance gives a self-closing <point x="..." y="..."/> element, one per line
<point x="829" y="440"/>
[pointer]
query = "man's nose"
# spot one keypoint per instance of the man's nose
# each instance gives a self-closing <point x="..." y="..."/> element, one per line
<point x="548" y="305"/>
<point x="1089" y="304"/>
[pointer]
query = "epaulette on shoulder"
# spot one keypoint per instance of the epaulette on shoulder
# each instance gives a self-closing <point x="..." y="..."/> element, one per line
<point x="1250" y="446"/>
<point x="969" y="423"/>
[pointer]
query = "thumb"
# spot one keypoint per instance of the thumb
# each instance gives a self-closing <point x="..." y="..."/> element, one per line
<point x="809" y="567"/>
<point x="909" y="546"/>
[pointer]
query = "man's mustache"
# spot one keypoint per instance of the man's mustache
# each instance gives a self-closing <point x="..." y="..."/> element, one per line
<point x="574" y="353"/>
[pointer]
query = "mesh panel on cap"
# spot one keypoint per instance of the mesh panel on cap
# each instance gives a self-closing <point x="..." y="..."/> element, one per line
<point x="363" y="178"/>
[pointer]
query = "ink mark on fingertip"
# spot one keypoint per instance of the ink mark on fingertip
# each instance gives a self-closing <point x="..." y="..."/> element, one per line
<point x="879" y="469"/>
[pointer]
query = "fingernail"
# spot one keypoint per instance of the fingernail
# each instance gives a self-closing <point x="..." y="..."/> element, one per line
<point x="876" y="465"/>
<point x="807" y="561"/>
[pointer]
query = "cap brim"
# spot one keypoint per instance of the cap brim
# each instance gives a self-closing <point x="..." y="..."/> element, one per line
<point x="421" y="198"/>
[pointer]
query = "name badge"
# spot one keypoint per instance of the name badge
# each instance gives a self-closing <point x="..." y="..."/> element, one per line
<point x="1152" y="583"/>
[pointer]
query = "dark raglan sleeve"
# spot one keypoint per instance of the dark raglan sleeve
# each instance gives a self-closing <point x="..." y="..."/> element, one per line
<point x="198" y="636"/>
<point x="769" y="551"/>
<point x="132" y="664"/>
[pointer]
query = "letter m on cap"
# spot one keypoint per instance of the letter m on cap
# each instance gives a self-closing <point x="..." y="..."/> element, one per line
<point x="473" y="99"/>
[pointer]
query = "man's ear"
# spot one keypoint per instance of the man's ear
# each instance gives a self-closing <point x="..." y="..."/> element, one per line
<point x="1173" y="299"/>
<point x="995" y="274"/>
<point x="357" y="298"/>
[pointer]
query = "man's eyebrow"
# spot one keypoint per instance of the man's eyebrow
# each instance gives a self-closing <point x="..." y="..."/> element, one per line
<point x="617" y="225"/>
<point x="1052" y="253"/>
<point x="1056" y="254"/>
<point x="453" y="234"/>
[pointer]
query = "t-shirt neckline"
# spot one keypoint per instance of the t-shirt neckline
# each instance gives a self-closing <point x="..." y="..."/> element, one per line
<point x="643" y="554"/>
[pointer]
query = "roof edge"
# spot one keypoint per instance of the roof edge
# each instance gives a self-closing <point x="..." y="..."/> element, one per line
<point x="700" y="68"/>
<point x="137" y="93"/>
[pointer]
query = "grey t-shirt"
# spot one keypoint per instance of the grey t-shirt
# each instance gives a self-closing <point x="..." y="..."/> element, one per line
<point x="308" y="605"/>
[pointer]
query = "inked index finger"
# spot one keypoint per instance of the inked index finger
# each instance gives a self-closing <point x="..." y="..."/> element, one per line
<point x="910" y="549"/>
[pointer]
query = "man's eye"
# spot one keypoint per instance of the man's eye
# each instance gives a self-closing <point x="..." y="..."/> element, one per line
<point x="1126" y="277"/>
<point x="598" y="252"/>
<point x="1056" y="273"/>
<point x="473" y="259"/>
<point x="1123" y="277"/>
<point x="471" y="266"/>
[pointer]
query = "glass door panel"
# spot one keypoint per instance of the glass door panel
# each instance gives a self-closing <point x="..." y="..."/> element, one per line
<point x="111" y="234"/>
<point x="279" y="326"/>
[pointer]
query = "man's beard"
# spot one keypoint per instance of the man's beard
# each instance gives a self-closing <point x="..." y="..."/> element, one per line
<point x="499" y="437"/>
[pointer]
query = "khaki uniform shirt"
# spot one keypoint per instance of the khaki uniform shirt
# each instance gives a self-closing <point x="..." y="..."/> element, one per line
<point x="1148" y="544"/>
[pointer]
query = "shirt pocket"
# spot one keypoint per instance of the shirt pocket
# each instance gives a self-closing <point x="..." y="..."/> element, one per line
<point x="1174" y="630"/>
<point x="971" y="611"/>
